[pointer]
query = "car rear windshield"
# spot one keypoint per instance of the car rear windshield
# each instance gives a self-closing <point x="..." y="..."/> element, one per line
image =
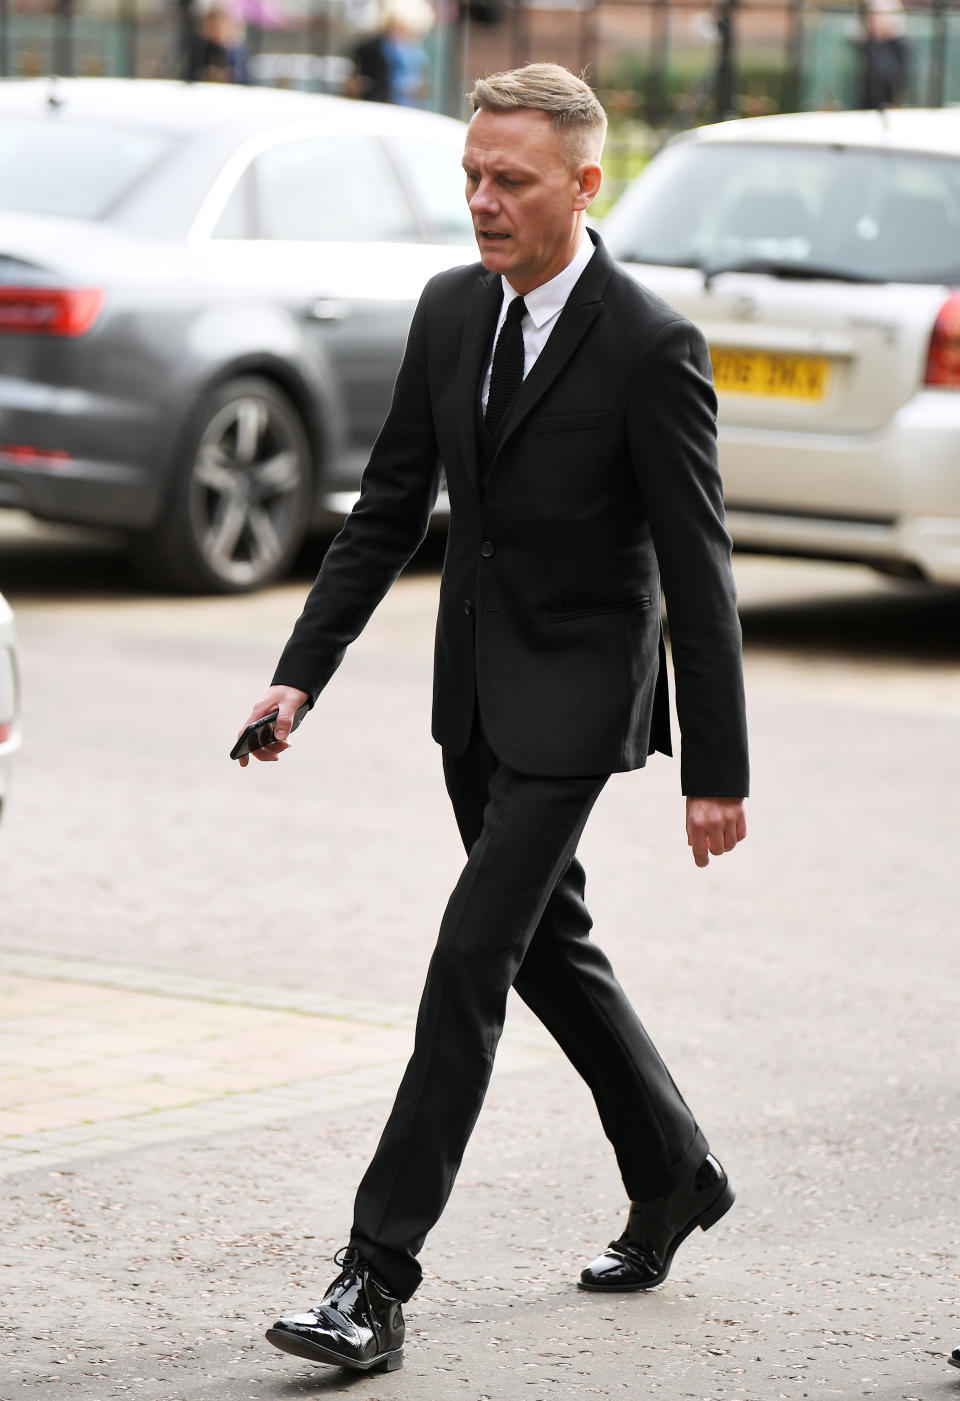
<point x="73" y="169"/>
<point x="891" y="216"/>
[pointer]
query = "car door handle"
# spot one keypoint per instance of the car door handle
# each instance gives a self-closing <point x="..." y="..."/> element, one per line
<point x="328" y="309"/>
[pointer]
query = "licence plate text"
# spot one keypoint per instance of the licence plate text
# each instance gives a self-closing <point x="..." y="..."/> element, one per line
<point x="770" y="373"/>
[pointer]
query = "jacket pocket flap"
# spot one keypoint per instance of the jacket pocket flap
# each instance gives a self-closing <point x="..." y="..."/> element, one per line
<point x="627" y="605"/>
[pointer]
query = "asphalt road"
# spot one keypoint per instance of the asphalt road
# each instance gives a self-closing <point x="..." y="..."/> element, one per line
<point x="804" y="991"/>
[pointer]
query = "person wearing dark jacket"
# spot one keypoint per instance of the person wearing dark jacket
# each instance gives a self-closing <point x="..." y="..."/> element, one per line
<point x="884" y="56"/>
<point x="218" y="53"/>
<point x="574" y="416"/>
<point x="390" y="64"/>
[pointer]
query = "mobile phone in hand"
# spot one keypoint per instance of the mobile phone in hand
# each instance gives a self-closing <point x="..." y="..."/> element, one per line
<point x="259" y="733"/>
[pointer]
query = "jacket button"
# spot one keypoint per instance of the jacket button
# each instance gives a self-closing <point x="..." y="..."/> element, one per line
<point x="467" y="607"/>
<point x="486" y="549"/>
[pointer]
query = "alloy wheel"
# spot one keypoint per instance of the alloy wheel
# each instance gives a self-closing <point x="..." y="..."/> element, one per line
<point x="247" y="489"/>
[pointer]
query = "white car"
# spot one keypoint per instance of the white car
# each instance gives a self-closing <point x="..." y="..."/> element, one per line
<point x="9" y="698"/>
<point x="820" y="255"/>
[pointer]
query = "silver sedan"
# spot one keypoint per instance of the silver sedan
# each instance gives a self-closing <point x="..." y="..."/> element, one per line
<point x="820" y="254"/>
<point x="204" y="296"/>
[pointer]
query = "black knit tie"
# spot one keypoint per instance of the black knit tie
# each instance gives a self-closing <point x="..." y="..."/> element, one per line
<point x="506" y="375"/>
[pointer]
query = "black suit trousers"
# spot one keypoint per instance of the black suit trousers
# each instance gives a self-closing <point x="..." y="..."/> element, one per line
<point x="517" y="918"/>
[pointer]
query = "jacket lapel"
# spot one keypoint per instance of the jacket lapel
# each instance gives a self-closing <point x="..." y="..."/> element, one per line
<point x="480" y="318"/>
<point x="582" y="309"/>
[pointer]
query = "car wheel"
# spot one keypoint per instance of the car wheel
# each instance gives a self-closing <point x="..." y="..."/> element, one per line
<point x="241" y="499"/>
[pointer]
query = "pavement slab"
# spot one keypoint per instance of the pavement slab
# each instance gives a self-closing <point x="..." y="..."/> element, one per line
<point x="144" y="1056"/>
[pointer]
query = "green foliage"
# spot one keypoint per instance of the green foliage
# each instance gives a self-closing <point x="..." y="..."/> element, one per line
<point x="629" y="147"/>
<point x="682" y="94"/>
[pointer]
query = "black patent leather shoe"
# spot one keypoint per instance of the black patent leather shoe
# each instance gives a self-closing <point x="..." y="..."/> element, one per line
<point x="954" y="1358"/>
<point x="642" y="1256"/>
<point x="357" y="1324"/>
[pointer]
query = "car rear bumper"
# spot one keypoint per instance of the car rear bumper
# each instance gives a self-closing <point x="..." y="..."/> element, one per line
<point x="80" y="491"/>
<point x="891" y="499"/>
<point x="7" y="752"/>
<point x="9" y="700"/>
<point x="928" y="546"/>
<point x="69" y="454"/>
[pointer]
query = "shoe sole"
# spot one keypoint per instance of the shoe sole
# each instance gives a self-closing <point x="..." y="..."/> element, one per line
<point x="954" y="1360"/>
<point x="717" y="1208"/>
<point x="314" y="1352"/>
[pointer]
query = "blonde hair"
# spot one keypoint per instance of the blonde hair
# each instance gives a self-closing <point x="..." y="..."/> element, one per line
<point x="548" y="87"/>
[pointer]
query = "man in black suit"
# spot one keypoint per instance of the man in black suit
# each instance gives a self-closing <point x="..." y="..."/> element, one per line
<point x="574" y="415"/>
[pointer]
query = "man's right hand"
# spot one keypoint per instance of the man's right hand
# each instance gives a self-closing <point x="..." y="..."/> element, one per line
<point x="286" y="699"/>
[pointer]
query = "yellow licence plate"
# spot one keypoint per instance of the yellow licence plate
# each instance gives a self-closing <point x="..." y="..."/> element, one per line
<point x="768" y="372"/>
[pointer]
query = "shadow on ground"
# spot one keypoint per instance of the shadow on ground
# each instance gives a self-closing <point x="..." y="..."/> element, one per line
<point x="807" y="608"/>
<point x="896" y="621"/>
<point x="44" y="563"/>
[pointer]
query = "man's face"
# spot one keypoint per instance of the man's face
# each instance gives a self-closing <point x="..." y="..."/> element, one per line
<point x="525" y="196"/>
<point x="218" y="28"/>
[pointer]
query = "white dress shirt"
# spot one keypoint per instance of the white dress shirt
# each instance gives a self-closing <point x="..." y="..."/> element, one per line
<point x="544" y="305"/>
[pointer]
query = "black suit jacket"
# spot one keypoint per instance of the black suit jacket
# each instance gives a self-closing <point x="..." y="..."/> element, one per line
<point x="602" y="482"/>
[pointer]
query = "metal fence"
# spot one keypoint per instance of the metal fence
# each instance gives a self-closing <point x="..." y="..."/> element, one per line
<point x="666" y="63"/>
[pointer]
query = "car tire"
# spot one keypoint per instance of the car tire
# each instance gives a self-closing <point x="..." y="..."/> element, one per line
<point x="241" y="496"/>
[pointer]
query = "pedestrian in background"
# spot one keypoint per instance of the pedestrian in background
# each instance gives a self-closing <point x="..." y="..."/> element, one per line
<point x="390" y="65"/>
<point x="218" y="53"/>
<point x="574" y="416"/>
<point x="884" y="55"/>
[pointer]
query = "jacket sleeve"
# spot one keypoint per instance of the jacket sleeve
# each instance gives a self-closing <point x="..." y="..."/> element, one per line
<point x="673" y="440"/>
<point x="385" y="528"/>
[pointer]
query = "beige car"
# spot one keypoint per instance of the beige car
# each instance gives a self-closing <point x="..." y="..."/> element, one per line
<point x="9" y="699"/>
<point x="820" y="254"/>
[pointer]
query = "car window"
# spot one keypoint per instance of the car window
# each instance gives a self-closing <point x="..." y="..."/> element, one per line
<point x="435" y="177"/>
<point x="74" y="169"/>
<point x="337" y="189"/>
<point x="890" y="215"/>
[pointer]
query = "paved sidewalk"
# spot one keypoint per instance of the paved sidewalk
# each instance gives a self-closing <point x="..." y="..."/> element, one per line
<point x="98" y="1057"/>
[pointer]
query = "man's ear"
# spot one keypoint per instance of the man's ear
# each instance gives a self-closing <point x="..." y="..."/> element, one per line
<point x="589" y="180"/>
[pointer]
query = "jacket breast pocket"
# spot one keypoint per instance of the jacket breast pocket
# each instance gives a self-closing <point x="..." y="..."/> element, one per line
<point x="570" y="422"/>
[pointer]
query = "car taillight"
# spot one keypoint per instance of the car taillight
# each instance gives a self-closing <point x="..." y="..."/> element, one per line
<point x="26" y="456"/>
<point x="51" y="311"/>
<point x="6" y="730"/>
<point x="943" y="357"/>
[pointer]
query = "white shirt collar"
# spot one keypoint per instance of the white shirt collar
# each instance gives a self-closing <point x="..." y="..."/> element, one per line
<point x="550" y="298"/>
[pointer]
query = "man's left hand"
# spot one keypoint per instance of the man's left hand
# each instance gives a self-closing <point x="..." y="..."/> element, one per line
<point x="714" y="825"/>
